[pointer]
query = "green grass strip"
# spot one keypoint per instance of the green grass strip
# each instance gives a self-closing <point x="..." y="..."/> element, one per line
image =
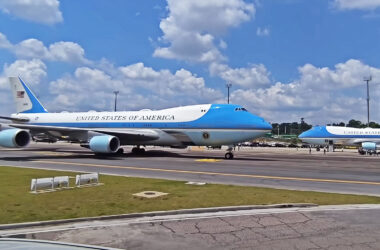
<point x="115" y="197"/>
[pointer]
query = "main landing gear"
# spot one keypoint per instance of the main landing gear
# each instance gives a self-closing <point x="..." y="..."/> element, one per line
<point x="138" y="150"/>
<point x="229" y="155"/>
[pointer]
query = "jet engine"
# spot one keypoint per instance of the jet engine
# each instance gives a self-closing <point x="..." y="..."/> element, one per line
<point x="369" y="146"/>
<point x="104" y="144"/>
<point x="14" y="138"/>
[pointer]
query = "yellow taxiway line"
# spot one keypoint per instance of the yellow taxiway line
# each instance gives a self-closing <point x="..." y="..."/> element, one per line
<point x="212" y="173"/>
<point x="208" y="160"/>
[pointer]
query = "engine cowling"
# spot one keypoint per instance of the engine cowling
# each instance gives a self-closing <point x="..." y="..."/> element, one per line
<point x="369" y="146"/>
<point x="14" y="138"/>
<point x="104" y="144"/>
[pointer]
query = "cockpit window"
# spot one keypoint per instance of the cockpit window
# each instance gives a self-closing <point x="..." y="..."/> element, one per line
<point x="241" y="109"/>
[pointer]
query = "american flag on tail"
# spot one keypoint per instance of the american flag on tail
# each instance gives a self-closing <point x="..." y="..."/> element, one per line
<point x="20" y="94"/>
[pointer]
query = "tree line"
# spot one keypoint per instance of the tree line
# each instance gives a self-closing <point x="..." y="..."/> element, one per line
<point x="356" y="124"/>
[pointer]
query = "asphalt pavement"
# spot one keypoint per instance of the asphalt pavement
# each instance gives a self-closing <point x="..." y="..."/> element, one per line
<point x="289" y="168"/>
<point x="325" y="227"/>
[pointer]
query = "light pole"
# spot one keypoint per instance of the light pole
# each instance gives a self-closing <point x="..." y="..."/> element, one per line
<point x="367" y="79"/>
<point x="228" y="86"/>
<point x="116" y="93"/>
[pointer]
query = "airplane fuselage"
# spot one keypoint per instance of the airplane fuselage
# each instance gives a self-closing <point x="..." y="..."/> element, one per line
<point x="208" y="124"/>
<point x="324" y="135"/>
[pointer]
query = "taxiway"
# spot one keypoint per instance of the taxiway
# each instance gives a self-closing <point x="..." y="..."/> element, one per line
<point x="339" y="172"/>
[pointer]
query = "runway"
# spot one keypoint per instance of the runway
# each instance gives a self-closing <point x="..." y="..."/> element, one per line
<point x="339" y="172"/>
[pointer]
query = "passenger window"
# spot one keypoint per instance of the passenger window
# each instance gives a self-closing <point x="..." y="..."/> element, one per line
<point x="241" y="109"/>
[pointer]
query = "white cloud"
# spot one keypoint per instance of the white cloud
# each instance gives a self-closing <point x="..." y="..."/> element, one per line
<point x="32" y="71"/>
<point x="320" y="95"/>
<point x="35" y="49"/>
<point x="87" y="88"/>
<point x="356" y="4"/>
<point x="222" y="44"/>
<point x="4" y="43"/>
<point x="40" y="11"/>
<point x="253" y="76"/>
<point x="139" y="86"/>
<point x="193" y="26"/>
<point x="180" y="84"/>
<point x="30" y="48"/>
<point x="346" y="75"/>
<point x="262" y="31"/>
<point x="67" y="52"/>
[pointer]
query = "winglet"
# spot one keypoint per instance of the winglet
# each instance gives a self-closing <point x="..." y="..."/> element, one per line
<point x="26" y="101"/>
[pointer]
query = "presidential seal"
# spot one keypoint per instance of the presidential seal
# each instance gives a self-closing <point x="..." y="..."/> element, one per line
<point x="206" y="135"/>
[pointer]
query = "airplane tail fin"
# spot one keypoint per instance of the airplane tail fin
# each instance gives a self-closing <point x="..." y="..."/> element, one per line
<point x="26" y="101"/>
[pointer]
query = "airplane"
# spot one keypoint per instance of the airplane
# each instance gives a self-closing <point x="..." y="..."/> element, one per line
<point x="367" y="138"/>
<point x="107" y="132"/>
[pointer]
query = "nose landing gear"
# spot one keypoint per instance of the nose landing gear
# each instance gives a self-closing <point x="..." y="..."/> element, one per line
<point x="229" y="155"/>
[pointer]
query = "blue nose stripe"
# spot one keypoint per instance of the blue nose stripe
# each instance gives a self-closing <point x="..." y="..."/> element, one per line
<point x="315" y="132"/>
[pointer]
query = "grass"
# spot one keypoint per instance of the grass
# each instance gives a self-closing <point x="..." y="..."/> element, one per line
<point x="115" y="197"/>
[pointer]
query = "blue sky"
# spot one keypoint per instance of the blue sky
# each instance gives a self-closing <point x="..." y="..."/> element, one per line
<point x="286" y="59"/>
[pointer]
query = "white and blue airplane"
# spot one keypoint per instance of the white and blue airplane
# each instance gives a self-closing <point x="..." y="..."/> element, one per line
<point x="107" y="132"/>
<point x="367" y="138"/>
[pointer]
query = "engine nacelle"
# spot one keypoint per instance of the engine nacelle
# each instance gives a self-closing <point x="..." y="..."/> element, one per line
<point x="104" y="144"/>
<point x="369" y="146"/>
<point x="14" y="138"/>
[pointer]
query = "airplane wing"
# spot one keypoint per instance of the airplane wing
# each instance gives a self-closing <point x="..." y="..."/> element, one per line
<point x="358" y="141"/>
<point x="14" y="119"/>
<point x="127" y="136"/>
<point x="361" y="140"/>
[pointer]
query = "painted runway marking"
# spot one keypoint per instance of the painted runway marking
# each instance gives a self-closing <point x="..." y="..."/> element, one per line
<point x="213" y="173"/>
<point x="208" y="160"/>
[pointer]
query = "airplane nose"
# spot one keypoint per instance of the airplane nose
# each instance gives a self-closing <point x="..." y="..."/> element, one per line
<point x="264" y="125"/>
<point x="302" y="135"/>
<point x="267" y="125"/>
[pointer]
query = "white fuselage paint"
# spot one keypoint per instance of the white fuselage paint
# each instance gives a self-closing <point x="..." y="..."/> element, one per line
<point x="172" y="115"/>
<point x="163" y="123"/>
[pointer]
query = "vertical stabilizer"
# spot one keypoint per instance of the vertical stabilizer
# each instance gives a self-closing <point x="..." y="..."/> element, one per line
<point x="26" y="101"/>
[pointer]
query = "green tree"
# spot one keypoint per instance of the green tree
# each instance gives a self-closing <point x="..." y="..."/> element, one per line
<point x="355" y="124"/>
<point x="341" y="124"/>
<point x="374" y="125"/>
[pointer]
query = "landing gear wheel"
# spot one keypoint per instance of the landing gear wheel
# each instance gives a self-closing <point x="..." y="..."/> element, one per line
<point x="138" y="150"/>
<point x="229" y="156"/>
<point x="135" y="150"/>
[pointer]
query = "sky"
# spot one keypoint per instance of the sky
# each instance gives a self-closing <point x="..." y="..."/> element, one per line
<point x="285" y="59"/>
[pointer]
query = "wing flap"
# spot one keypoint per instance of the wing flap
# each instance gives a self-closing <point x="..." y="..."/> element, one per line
<point x="137" y="135"/>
